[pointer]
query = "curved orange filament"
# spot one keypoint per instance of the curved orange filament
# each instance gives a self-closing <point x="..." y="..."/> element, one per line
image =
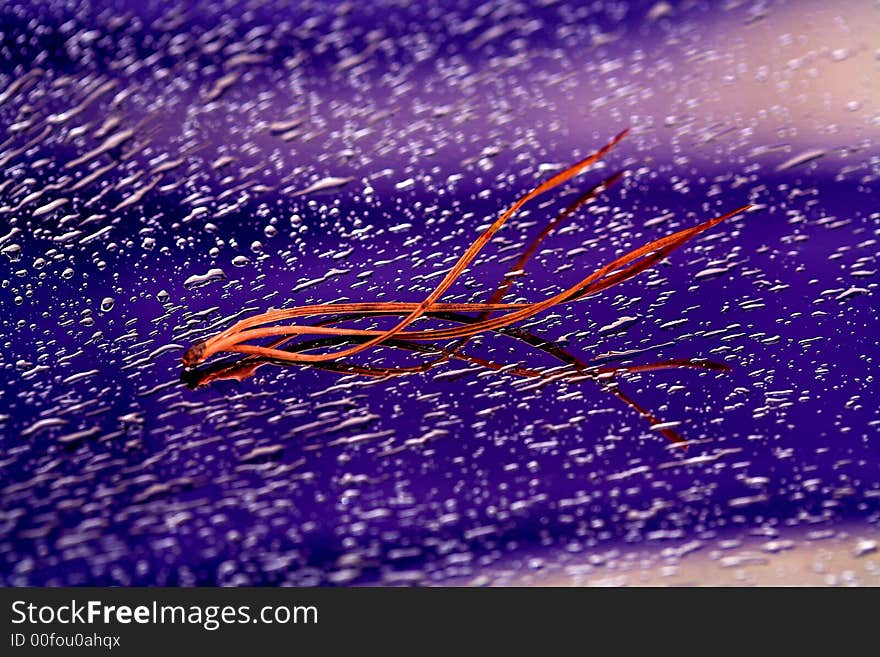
<point x="235" y="339"/>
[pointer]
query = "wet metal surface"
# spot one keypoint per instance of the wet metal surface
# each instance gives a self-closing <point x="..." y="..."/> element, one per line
<point x="167" y="171"/>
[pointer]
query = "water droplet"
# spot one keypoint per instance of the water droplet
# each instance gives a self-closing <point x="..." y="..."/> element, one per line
<point x="198" y="280"/>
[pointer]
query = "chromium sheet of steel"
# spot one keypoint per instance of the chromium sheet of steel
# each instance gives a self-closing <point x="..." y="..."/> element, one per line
<point x="169" y="169"/>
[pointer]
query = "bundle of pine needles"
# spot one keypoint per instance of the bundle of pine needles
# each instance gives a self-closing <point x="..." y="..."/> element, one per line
<point x="493" y="315"/>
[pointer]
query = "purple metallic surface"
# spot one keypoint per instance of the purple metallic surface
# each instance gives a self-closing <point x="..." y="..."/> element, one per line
<point x="113" y="472"/>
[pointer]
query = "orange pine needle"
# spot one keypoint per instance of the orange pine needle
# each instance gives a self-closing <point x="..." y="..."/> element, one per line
<point x="236" y="338"/>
